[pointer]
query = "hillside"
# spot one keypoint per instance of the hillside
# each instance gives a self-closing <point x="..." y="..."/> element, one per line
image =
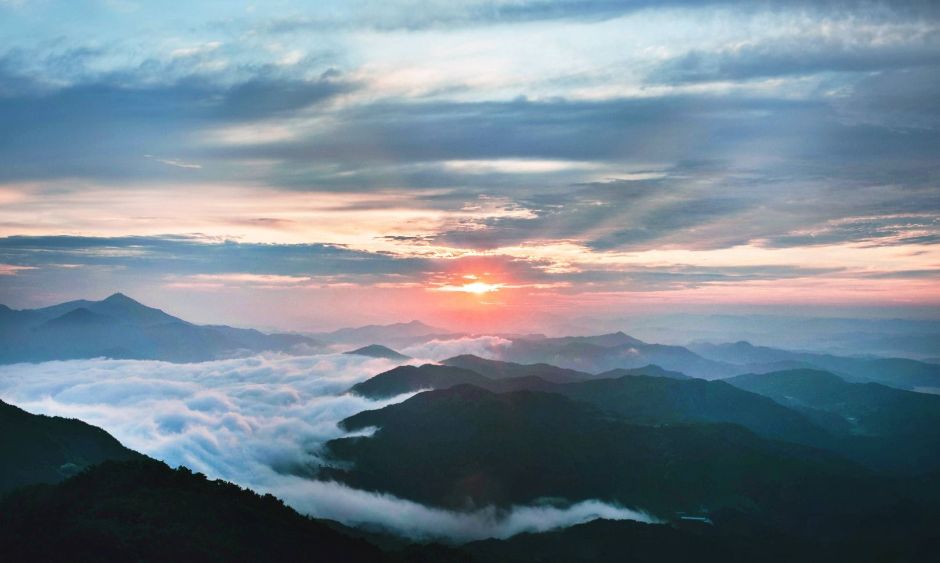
<point x="467" y="445"/>
<point x="144" y="511"/>
<point x="46" y="449"/>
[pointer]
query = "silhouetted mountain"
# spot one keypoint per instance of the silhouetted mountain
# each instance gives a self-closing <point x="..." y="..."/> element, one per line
<point x="119" y="327"/>
<point x="144" y="511"/>
<point x="888" y="427"/>
<point x="467" y="446"/>
<point x="611" y="351"/>
<point x="602" y="541"/>
<point x="648" y="400"/>
<point x="378" y="351"/>
<point x="900" y="373"/>
<point x="636" y="397"/>
<point x="495" y="369"/>
<point x="407" y="379"/>
<point x="44" y="449"/>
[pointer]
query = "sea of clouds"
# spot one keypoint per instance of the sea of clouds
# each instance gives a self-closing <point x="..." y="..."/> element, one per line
<point x="261" y="422"/>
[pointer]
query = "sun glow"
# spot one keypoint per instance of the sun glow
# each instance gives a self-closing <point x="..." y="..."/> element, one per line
<point x="476" y="288"/>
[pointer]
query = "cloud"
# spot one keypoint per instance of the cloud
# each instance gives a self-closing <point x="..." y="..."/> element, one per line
<point x="176" y="163"/>
<point x="12" y="269"/>
<point x="437" y="350"/>
<point x="394" y="16"/>
<point x="421" y="522"/>
<point x="260" y="422"/>
<point x="99" y="127"/>
<point x="814" y="51"/>
<point x="212" y="259"/>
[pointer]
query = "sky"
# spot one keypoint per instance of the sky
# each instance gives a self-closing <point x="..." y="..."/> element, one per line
<point x="483" y="164"/>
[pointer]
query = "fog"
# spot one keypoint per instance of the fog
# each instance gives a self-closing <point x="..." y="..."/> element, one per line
<point x="490" y="347"/>
<point x="261" y="422"/>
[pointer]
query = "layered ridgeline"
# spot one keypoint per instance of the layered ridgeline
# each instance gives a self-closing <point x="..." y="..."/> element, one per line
<point x="120" y="327"/>
<point x="595" y="354"/>
<point x="647" y="396"/>
<point x="119" y="505"/>
<point x="464" y="446"/>
<point x="901" y="373"/>
<point x="883" y="428"/>
<point x="605" y="352"/>
<point x="395" y="335"/>
<point x="681" y="449"/>
<point x="888" y="428"/>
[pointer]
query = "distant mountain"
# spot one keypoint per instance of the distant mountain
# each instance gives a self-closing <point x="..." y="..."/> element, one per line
<point x="45" y="449"/>
<point x="901" y="373"/>
<point x="650" y="371"/>
<point x="397" y="335"/>
<point x="144" y="511"/>
<point x="515" y="448"/>
<point x="612" y="351"/>
<point x="120" y="327"/>
<point x="887" y="427"/>
<point x="495" y="369"/>
<point x="378" y="351"/>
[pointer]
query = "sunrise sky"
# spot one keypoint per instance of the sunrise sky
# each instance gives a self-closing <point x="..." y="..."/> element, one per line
<point x="310" y="165"/>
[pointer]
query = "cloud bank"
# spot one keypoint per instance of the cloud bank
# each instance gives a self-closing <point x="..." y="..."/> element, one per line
<point x="483" y="346"/>
<point x="260" y="422"/>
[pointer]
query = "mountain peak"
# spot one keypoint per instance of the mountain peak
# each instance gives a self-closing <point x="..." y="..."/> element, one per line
<point x="120" y="298"/>
<point x="377" y="351"/>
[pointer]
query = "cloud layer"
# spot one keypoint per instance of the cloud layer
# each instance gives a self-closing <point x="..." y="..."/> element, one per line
<point x="260" y="422"/>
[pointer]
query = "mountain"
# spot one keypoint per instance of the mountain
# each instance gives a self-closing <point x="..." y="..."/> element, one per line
<point x="611" y="351"/>
<point x="378" y="351"/>
<point x="901" y="373"/>
<point x="650" y="371"/>
<point x="466" y="446"/>
<point x="46" y="449"/>
<point x="495" y="369"/>
<point x="120" y="327"/>
<point x="635" y="397"/>
<point x="602" y="541"/>
<point x="407" y="379"/>
<point x="647" y="400"/>
<point x="144" y="511"/>
<point x="397" y="335"/>
<point x="889" y="427"/>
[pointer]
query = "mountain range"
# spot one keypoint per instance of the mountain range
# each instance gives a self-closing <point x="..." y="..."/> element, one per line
<point x="776" y="467"/>
<point x="596" y="354"/>
<point x="120" y="327"/>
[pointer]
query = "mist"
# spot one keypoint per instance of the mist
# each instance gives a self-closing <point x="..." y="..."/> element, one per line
<point x="261" y="422"/>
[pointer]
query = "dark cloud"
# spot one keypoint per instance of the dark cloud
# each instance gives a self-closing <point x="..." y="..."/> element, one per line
<point x="192" y="255"/>
<point x="474" y="14"/>
<point x="103" y="129"/>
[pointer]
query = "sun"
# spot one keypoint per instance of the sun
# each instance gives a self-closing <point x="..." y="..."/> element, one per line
<point x="479" y="288"/>
<point x="471" y="284"/>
